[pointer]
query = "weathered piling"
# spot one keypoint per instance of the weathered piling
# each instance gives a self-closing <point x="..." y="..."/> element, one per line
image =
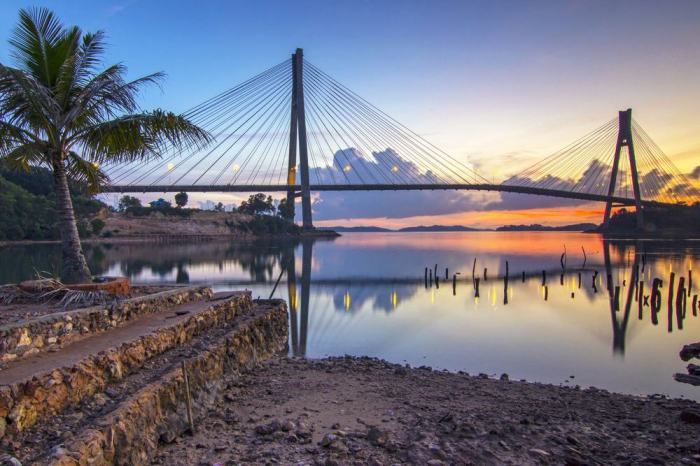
<point x="546" y="292"/>
<point x="640" y="300"/>
<point x="617" y="298"/>
<point x="544" y="277"/>
<point x="609" y="282"/>
<point x="505" y="286"/>
<point x="690" y="282"/>
<point x="447" y="274"/>
<point x="476" y="287"/>
<point x="486" y="274"/>
<point x="454" y="284"/>
<point x="437" y="282"/>
<point x="426" y="277"/>
<point x="561" y="279"/>
<point x="523" y="276"/>
<point x="670" y="301"/>
<point x="670" y="289"/>
<point x="680" y="303"/>
<point x="657" y="284"/>
<point x="430" y="277"/>
<point x="695" y="303"/>
<point x="579" y="280"/>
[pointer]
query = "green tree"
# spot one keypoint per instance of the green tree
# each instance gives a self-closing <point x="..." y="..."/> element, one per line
<point x="286" y="209"/>
<point x="181" y="199"/>
<point x="128" y="201"/>
<point x="59" y="108"/>
<point x="257" y="204"/>
<point x="97" y="225"/>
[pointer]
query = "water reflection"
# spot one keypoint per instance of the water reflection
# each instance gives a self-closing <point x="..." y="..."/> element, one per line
<point x="480" y="302"/>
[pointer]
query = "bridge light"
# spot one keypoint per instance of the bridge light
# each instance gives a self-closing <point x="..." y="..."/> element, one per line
<point x="347" y="168"/>
<point x="235" y="167"/>
<point x="170" y="167"/>
<point x="394" y="169"/>
<point x="95" y="165"/>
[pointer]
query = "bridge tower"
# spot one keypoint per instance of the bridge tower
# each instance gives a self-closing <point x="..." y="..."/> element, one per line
<point x="297" y="135"/>
<point x="624" y="139"/>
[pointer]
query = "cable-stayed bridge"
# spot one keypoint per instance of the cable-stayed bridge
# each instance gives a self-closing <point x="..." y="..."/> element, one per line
<point x="295" y="129"/>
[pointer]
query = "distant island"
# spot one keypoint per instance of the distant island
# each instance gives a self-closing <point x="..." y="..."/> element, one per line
<point x="538" y="227"/>
<point x="458" y="228"/>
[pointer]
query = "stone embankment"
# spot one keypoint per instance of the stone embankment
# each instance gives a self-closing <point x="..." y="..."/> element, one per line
<point x="112" y="396"/>
<point x="52" y="331"/>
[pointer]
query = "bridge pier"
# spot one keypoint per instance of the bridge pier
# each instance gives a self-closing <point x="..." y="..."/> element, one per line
<point x="624" y="139"/>
<point x="298" y="116"/>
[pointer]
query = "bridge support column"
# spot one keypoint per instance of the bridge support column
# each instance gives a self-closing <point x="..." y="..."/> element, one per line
<point x="292" y="166"/>
<point x="298" y="98"/>
<point x="624" y="139"/>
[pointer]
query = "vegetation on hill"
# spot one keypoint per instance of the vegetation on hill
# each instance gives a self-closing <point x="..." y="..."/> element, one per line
<point x="680" y="220"/>
<point x="28" y="206"/>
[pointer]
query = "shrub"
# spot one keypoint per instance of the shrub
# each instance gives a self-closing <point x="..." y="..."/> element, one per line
<point x="97" y="225"/>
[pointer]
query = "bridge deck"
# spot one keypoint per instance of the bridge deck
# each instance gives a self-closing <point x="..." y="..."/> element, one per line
<point x="373" y="187"/>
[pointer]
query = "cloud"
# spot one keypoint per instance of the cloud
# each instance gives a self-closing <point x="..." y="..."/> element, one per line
<point x="351" y="167"/>
<point x="695" y="174"/>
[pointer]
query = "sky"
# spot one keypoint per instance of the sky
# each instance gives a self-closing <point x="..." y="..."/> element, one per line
<point x="500" y="84"/>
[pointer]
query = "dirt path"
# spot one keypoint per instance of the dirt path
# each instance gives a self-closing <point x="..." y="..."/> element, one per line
<point x="364" y="411"/>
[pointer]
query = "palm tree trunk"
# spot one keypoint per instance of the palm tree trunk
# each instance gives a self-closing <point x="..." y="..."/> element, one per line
<point x="74" y="268"/>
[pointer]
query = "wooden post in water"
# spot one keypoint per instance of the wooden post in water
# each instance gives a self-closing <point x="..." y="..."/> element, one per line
<point x="546" y="292"/>
<point x="617" y="298"/>
<point x="447" y="274"/>
<point x="695" y="303"/>
<point x="476" y="287"/>
<point x="640" y="299"/>
<point x="544" y="277"/>
<point x="426" y="277"/>
<point x="486" y="274"/>
<point x="523" y="276"/>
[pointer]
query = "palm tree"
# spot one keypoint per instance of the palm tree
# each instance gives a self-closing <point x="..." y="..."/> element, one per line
<point x="59" y="108"/>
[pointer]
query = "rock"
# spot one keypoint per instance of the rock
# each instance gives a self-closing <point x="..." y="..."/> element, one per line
<point x="267" y="429"/>
<point x="7" y="460"/>
<point x="504" y="377"/>
<point x="691" y="416"/>
<point x="328" y="439"/>
<point x="377" y="436"/>
<point x="538" y="452"/>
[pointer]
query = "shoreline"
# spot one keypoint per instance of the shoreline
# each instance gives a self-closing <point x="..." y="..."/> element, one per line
<point x="359" y="410"/>
<point x="328" y="234"/>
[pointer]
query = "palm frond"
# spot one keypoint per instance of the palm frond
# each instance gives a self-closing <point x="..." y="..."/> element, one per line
<point x="38" y="30"/>
<point x="12" y="137"/>
<point x="28" y="155"/>
<point x="140" y="137"/>
<point x="82" y="171"/>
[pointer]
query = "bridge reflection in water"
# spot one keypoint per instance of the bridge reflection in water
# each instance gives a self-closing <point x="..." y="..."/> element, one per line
<point x="623" y="282"/>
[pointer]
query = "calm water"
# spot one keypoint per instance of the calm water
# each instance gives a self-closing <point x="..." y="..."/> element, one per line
<point x="365" y="294"/>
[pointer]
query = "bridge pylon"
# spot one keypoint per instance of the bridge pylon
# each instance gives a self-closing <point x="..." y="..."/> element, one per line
<point x="624" y="139"/>
<point x="297" y="135"/>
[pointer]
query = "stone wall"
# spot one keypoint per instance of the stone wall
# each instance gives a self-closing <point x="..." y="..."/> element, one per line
<point x="52" y="331"/>
<point x="23" y="404"/>
<point x="130" y="434"/>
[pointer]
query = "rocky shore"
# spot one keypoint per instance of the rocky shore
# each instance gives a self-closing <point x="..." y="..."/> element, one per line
<point x="351" y="411"/>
